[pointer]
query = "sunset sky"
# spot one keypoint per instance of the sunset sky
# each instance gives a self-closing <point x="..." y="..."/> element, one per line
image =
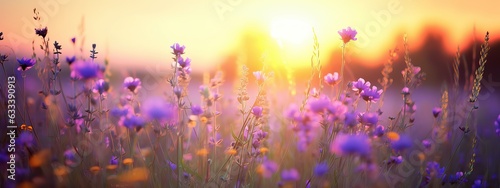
<point x="140" y="32"/>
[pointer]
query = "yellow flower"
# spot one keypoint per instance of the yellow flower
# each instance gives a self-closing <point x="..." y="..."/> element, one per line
<point x="204" y="119"/>
<point x="202" y="152"/>
<point x="231" y="152"/>
<point x="128" y="161"/>
<point x="95" y="169"/>
<point x="191" y="124"/>
<point x="263" y="150"/>
<point x="393" y="136"/>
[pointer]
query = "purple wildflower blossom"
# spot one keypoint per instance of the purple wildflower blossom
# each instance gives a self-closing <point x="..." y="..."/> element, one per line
<point x="477" y="184"/>
<point x="133" y="122"/>
<point x="41" y="32"/>
<point x="268" y="168"/>
<point x="172" y="165"/>
<point x="427" y="144"/>
<point x="350" y="119"/>
<point x="132" y="84"/>
<point x="332" y="79"/>
<point x="86" y="70"/>
<point x="436" y="111"/>
<point x="70" y="60"/>
<point x="101" y="86"/>
<point x="379" y="131"/>
<point x="351" y="145"/>
<point x="395" y="160"/>
<point x="113" y="160"/>
<point x="497" y="125"/>
<point x="257" y="111"/>
<point x="158" y="109"/>
<point x="337" y="110"/>
<point x="177" y="49"/>
<point x="25" y="64"/>
<point x="26" y="139"/>
<point x="184" y="62"/>
<point x="290" y="175"/>
<point x="405" y="91"/>
<point x="196" y="110"/>
<point x="318" y="105"/>
<point x="321" y="169"/>
<point x="348" y="34"/>
<point x="73" y="40"/>
<point x="404" y="142"/>
<point x="360" y="85"/>
<point x="371" y="95"/>
<point x="368" y="118"/>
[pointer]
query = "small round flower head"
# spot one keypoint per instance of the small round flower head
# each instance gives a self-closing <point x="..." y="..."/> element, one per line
<point x="196" y="110"/>
<point x="360" y="85"/>
<point x="368" y="118"/>
<point x="351" y="145"/>
<point x="348" y="34"/>
<point x="290" y="175"/>
<point x="497" y="125"/>
<point x="404" y="142"/>
<point x="395" y="160"/>
<point x="332" y="79"/>
<point x="25" y="64"/>
<point x="371" y="95"/>
<point x="318" y="105"/>
<point x="156" y="108"/>
<point x="379" y="131"/>
<point x="436" y="111"/>
<point x="259" y="75"/>
<point x="86" y="70"/>
<point x="405" y="91"/>
<point x="70" y="60"/>
<point x="477" y="184"/>
<point x="132" y="84"/>
<point x="184" y="62"/>
<point x="41" y="32"/>
<point x="73" y="40"/>
<point x="177" y="49"/>
<point x="26" y="139"/>
<point x="133" y="122"/>
<point x="427" y="144"/>
<point x="321" y="169"/>
<point x="257" y="111"/>
<point x="267" y="169"/>
<point x="337" y="110"/>
<point x="101" y="86"/>
<point x="350" y="119"/>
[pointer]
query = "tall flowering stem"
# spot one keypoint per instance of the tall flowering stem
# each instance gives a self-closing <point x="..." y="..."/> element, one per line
<point x="346" y="35"/>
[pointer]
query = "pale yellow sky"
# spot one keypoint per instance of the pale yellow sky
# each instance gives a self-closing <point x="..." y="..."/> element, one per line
<point x="139" y="33"/>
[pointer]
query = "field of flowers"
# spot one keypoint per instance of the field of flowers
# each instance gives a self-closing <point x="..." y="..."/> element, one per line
<point x="68" y="122"/>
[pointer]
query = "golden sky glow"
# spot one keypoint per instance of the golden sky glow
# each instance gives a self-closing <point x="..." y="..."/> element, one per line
<point x="138" y="33"/>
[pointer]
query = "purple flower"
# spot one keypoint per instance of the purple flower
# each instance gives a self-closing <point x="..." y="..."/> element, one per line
<point x="101" y="86"/>
<point x="73" y="40"/>
<point x="257" y="111"/>
<point x="434" y="170"/>
<point x="318" y="105"/>
<point x="184" y="62"/>
<point x="113" y="160"/>
<point x="321" y="169"/>
<point x="368" y="118"/>
<point x="259" y="75"/>
<point x="337" y="110"/>
<point x="26" y="139"/>
<point x="332" y="79"/>
<point x="172" y="165"/>
<point x="177" y="49"/>
<point x="351" y="145"/>
<point x="477" y="184"/>
<point x="348" y="34"/>
<point x="41" y="32"/>
<point x="404" y="142"/>
<point x="395" y="160"/>
<point x="158" y="109"/>
<point x="133" y="122"/>
<point x="70" y="60"/>
<point x="497" y="125"/>
<point x="436" y="111"/>
<point x="350" y="119"/>
<point x="290" y="175"/>
<point x="196" y="110"/>
<point x="267" y="168"/>
<point x="25" y="64"/>
<point x="371" y="95"/>
<point x="86" y="70"/>
<point x="132" y="84"/>
<point x="454" y="178"/>
<point x="427" y="144"/>
<point x="360" y="85"/>
<point x="379" y="131"/>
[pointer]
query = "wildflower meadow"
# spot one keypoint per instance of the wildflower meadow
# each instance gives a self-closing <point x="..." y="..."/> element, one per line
<point x="68" y="119"/>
